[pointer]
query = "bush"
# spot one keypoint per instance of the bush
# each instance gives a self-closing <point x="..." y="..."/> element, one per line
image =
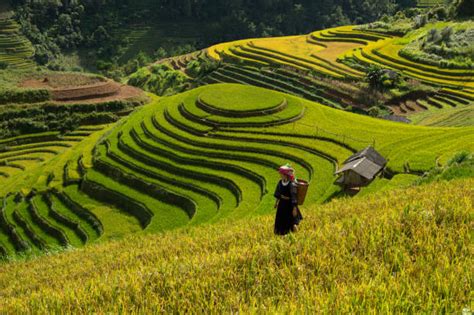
<point x="3" y="65"/>
<point x="24" y="96"/>
<point x="159" y="79"/>
<point x="374" y="111"/>
<point x="447" y="34"/>
<point x="433" y="36"/>
<point x="51" y="117"/>
<point x="465" y="8"/>
<point x="201" y="67"/>
<point x="104" y="65"/>
<point x="441" y="13"/>
<point x="382" y="79"/>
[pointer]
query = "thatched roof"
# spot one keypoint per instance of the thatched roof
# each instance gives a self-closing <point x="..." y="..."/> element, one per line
<point x="370" y="154"/>
<point x="367" y="163"/>
<point x="363" y="166"/>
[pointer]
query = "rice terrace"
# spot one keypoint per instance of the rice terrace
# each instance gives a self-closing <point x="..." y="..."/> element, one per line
<point x="265" y="157"/>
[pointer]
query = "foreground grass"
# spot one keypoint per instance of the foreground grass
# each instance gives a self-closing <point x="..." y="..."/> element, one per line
<point x="402" y="252"/>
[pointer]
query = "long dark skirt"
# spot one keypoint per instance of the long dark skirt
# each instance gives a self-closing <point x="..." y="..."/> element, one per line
<point x="284" y="220"/>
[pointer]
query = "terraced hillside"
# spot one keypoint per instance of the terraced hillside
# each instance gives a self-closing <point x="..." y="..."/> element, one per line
<point x="76" y="88"/>
<point x="16" y="51"/>
<point x="36" y="214"/>
<point x="328" y="66"/>
<point x="198" y="157"/>
<point x="40" y="101"/>
<point x="297" y="64"/>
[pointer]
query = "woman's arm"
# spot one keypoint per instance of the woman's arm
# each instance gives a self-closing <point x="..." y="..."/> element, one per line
<point x="294" y="198"/>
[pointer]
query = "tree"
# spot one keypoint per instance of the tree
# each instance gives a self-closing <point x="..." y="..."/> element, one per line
<point x="100" y="36"/>
<point x="465" y="8"/>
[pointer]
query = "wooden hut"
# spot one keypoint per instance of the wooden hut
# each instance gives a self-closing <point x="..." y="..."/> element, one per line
<point x="360" y="169"/>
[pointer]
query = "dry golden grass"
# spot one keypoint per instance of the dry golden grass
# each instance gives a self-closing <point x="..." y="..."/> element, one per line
<point x="294" y="45"/>
<point x="335" y="49"/>
<point x="397" y="252"/>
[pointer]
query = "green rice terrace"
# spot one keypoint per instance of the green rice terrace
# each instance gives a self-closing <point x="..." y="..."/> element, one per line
<point x="198" y="157"/>
<point x="16" y="50"/>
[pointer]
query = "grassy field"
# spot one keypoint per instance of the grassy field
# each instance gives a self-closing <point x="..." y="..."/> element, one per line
<point x="402" y="251"/>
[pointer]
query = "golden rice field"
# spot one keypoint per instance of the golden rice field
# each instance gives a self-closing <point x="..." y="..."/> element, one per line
<point x="404" y="252"/>
<point x="303" y="65"/>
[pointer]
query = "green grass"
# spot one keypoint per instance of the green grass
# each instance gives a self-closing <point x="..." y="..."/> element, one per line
<point x="173" y="142"/>
<point x="385" y="185"/>
<point x="250" y="99"/>
<point x="191" y="111"/>
<point x="401" y="251"/>
<point x="44" y="210"/>
<point x="22" y="236"/>
<point x="452" y="117"/>
<point x="274" y="80"/>
<point x="44" y="162"/>
<point x="48" y="153"/>
<point x="46" y="239"/>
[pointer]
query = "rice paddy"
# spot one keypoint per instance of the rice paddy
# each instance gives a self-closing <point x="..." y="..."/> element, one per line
<point x="191" y="159"/>
<point x="15" y="50"/>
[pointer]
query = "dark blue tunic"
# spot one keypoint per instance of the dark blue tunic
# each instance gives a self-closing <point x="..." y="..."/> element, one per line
<point x="287" y="196"/>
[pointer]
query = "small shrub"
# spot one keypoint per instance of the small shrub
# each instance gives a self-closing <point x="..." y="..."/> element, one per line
<point x="420" y="21"/>
<point x="433" y="36"/>
<point x="374" y="111"/>
<point x="459" y="158"/>
<point x="461" y="165"/>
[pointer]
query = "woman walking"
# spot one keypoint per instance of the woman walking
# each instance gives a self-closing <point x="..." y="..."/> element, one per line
<point x="288" y="215"/>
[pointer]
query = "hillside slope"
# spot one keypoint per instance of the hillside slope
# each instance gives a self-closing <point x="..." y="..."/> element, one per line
<point x="412" y="71"/>
<point x="198" y="157"/>
<point x="404" y="251"/>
